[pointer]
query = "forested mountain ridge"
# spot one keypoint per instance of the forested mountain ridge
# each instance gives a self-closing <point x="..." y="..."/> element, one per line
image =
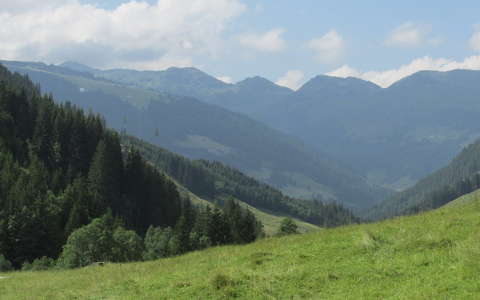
<point x="216" y="183"/>
<point x="461" y="176"/>
<point x="202" y="131"/>
<point x="61" y="168"/>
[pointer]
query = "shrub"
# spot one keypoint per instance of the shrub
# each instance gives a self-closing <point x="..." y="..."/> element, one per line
<point x="43" y="263"/>
<point x="288" y="226"/>
<point x="5" y="264"/>
<point x="101" y="240"/>
<point x="158" y="243"/>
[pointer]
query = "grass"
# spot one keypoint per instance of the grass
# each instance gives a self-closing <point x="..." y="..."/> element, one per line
<point x="435" y="255"/>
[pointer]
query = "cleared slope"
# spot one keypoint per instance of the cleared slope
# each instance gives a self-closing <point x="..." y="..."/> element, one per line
<point x="430" y="256"/>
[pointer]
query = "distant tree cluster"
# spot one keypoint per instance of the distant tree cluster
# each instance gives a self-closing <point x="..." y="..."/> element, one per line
<point x="218" y="182"/>
<point x="60" y="171"/>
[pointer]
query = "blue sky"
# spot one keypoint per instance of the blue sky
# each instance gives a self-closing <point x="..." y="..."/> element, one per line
<point x="285" y="41"/>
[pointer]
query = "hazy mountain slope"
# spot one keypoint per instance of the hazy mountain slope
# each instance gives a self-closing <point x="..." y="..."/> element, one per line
<point x="460" y="176"/>
<point x="198" y="130"/>
<point x="433" y="255"/>
<point x="250" y="96"/>
<point x="395" y="135"/>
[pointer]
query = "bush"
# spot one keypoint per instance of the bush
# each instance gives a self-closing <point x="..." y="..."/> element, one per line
<point x="158" y="243"/>
<point x="100" y="241"/>
<point x="26" y="266"/>
<point x="288" y="226"/>
<point x="5" y="264"/>
<point x="43" y="263"/>
<point x="128" y="245"/>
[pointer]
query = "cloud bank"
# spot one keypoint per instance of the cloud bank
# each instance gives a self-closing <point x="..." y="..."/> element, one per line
<point x="135" y="34"/>
<point x="388" y="77"/>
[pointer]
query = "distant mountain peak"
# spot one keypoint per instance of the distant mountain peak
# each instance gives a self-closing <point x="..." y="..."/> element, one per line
<point x="76" y="66"/>
<point x="323" y="83"/>
<point x="185" y="69"/>
<point x="456" y="77"/>
<point x="260" y="82"/>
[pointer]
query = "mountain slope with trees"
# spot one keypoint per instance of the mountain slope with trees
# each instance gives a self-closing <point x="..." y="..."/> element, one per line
<point x="394" y="135"/>
<point x="69" y="191"/>
<point x="461" y="176"/>
<point x="202" y="131"/>
<point x="218" y="183"/>
<point x="422" y="121"/>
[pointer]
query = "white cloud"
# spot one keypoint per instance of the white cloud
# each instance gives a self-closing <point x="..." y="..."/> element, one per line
<point x="411" y="34"/>
<point x="226" y="79"/>
<point x="135" y="34"/>
<point x="270" y="41"/>
<point x="474" y="41"/>
<point x="387" y="77"/>
<point x="329" y="47"/>
<point x="293" y="79"/>
<point x="19" y="6"/>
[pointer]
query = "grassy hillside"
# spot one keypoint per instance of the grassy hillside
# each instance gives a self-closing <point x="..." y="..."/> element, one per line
<point x="435" y="255"/>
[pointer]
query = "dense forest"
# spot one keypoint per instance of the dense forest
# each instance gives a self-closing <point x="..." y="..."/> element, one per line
<point x="69" y="190"/>
<point x="215" y="182"/>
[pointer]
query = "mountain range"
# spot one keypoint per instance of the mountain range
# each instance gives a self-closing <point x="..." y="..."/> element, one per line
<point x="205" y="131"/>
<point x="392" y="136"/>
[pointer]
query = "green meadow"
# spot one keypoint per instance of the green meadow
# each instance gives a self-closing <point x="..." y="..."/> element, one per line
<point x="435" y="255"/>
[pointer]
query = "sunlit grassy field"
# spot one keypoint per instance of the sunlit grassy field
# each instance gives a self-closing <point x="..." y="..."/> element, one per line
<point x="430" y="256"/>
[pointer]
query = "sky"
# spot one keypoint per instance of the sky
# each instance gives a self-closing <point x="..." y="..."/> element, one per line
<point x="285" y="41"/>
